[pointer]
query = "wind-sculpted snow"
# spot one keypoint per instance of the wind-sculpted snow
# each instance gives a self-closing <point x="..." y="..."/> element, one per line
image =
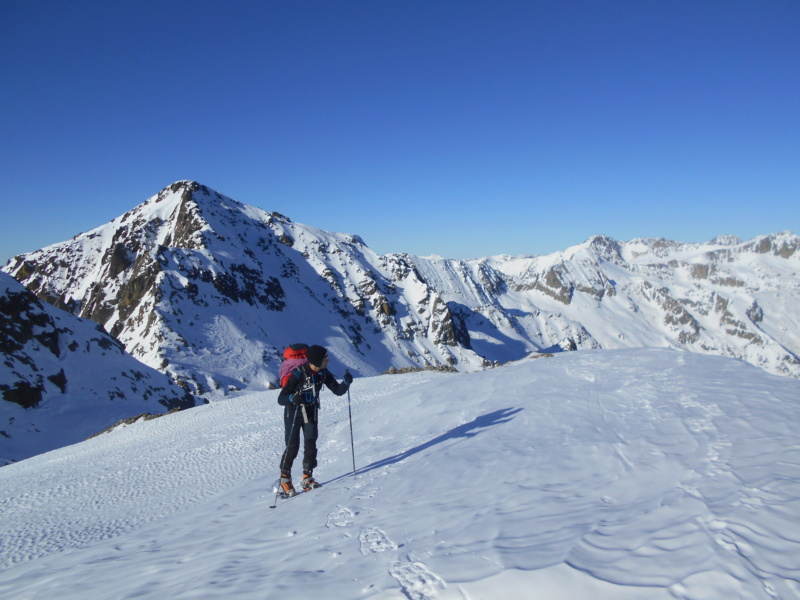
<point x="646" y="474"/>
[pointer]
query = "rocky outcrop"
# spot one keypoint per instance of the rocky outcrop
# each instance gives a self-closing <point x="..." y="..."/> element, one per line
<point x="42" y="352"/>
<point x="62" y="371"/>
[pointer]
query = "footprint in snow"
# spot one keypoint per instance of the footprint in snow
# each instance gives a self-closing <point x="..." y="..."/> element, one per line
<point x="365" y="494"/>
<point x="416" y="580"/>
<point x="375" y="540"/>
<point x="341" y="517"/>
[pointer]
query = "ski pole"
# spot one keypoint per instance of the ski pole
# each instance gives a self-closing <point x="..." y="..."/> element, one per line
<point x="352" y="445"/>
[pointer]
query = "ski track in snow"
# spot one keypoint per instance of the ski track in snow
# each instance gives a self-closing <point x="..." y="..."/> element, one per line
<point x="647" y="475"/>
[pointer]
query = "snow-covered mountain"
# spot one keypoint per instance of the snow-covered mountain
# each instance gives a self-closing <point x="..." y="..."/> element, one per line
<point x="724" y="297"/>
<point x="64" y="378"/>
<point x="645" y="474"/>
<point x="210" y="291"/>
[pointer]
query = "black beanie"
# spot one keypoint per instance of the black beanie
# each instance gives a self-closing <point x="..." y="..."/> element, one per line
<point x="315" y="354"/>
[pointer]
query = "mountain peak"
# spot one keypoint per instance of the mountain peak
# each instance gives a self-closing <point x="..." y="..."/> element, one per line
<point x="783" y="244"/>
<point x="186" y="189"/>
<point x="726" y="240"/>
<point x="605" y="247"/>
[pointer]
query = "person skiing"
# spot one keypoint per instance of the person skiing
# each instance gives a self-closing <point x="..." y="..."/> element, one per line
<point x="300" y="398"/>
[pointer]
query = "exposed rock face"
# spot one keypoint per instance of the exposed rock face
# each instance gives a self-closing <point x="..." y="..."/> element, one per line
<point x="66" y="373"/>
<point x="210" y="291"/>
<point x="25" y="322"/>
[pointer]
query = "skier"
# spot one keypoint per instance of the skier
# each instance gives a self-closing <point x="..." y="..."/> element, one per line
<point x="300" y="396"/>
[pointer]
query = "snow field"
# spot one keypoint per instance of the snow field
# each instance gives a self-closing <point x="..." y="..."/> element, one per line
<point x="645" y="474"/>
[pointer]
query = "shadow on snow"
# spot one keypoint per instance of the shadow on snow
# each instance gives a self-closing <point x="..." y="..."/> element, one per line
<point x="459" y="434"/>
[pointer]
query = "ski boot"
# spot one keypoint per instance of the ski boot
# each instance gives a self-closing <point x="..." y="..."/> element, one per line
<point x="286" y="489"/>
<point x="309" y="483"/>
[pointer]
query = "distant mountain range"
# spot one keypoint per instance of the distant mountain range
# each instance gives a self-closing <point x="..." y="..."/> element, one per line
<point x="210" y="291"/>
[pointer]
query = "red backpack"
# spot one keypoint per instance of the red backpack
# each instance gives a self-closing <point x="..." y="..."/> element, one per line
<point x="293" y="357"/>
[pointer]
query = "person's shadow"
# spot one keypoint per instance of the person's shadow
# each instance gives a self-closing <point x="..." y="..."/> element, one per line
<point x="465" y="431"/>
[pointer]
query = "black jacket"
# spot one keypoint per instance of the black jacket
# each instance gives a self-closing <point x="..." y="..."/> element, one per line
<point x="304" y="385"/>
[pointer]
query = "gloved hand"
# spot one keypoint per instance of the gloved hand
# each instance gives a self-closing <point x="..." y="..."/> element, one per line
<point x="348" y="379"/>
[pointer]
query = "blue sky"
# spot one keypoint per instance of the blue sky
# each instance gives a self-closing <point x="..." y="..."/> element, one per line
<point x="459" y="128"/>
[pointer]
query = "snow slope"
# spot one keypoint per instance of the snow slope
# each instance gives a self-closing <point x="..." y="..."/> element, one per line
<point x="645" y="474"/>
<point x="63" y="378"/>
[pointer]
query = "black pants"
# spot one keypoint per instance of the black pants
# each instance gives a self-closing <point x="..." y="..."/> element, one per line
<point x="293" y="422"/>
